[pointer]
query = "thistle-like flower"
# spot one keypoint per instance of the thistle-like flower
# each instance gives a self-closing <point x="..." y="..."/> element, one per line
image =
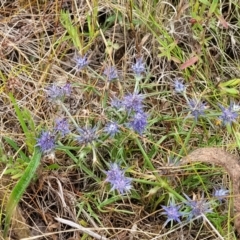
<point x="115" y="176"/>
<point x="220" y="193"/>
<point x="196" y="107"/>
<point x="172" y="212"/>
<point x="198" y="207"/>
<point x="139" y="122"/>
<point x="55" y="92"/>
<point x="112" y="129"/>
<point x="228" y="115"/>
<point x="46" y="142"/>
<point x="179" y="86"/>
<point x="81" y="62"/>
<point x="116" y="103"/>
<point x="87" y="135"/>
<point x="139" y="67"/>
<point x="61" y="126"/>
<point x="133" y="102"/>
<point x="111" y="73"/>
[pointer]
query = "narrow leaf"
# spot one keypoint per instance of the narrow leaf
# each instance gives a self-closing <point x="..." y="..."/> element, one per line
<point x="20" y="188"/>
<point x="189" y="62"/>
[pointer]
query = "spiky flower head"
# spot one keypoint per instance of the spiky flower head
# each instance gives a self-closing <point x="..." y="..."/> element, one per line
<point x="116" y="103"/>
<point x="172" y="212"/>
<point x="61" y="126"/>
<point x="115" y="176"/>
<point x="228" y="115"/>
<point x="139" y="122"/>
<point x="112" y="129"/>
<point x="46" y="142"/>
<point x="111" y="73"/>
<point x="198" y="206"/>
<point x="179" y="86"/>
<point x="87" y="135"/>
<point x="133" y="102"/>
<point x="196" y="107"/>
<point x="220" y="193"/>
<point x="81" y="62"/>
<point x="55" y="92"/>
<point x="139" y="67"/>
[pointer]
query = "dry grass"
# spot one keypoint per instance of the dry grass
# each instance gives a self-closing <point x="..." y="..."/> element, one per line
<point x="36" y="50"/>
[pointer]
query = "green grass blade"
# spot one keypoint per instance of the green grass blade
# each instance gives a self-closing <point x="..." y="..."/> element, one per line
<point x="21" y="115"/>
<point x="14" y="145"/>
<point x="20" y="188"/>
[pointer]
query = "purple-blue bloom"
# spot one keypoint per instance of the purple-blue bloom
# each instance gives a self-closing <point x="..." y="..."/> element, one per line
<point x="81" y="62"/>
<point x="228" y="114"/>
<point x="112" y="129"/>
<point x="133" y="102"/>
<point x="138" y="68"/>
<point x="198" y="207"/>
<point x="172" y="212"/>
<point x="87" y="135"/>
<point x="220" y="193"/>
<point x="139" y="122"/>
<point x="58" y="93"/>
<point x="62" y="126"/>
<point x="179" y="86"/>
<point x="46" y="142"/>
<point x="110" y="72"/>
<point x="115" y="176"/>
<point x="116" y="103"/>
<point x="196" y="107"/>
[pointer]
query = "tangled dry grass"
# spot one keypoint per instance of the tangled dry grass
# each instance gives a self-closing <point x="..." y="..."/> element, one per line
<point x="36" y="50"/>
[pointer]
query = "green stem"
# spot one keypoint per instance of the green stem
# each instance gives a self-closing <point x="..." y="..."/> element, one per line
<point x="187" y="139"/>
<point x="69" y="114"/>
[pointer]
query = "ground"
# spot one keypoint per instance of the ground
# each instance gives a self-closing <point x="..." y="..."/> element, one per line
<point x="99" y="103"/>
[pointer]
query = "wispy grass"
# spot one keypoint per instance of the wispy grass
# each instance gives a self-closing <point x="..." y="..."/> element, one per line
<point x="121" y="61"/>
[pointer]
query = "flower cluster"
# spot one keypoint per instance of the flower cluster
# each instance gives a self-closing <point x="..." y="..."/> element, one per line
<point x="87" y="135"/>
<point x="228" y="115"/>
<point x="111" y="73"/>
<point x="179" y="86"/>
<point x="194" y="208"/>
<point x="173" y="213"/>
<point x="46" y="142"/>
<point x="55" y="92"/>
<point x="115" y="176"/>
<point x="112" y="129"/>
<point x="133" y="104"/>
<point x="81" y="62"/>
<point x="139" y="67"/>
<point x="196" y="107"/>
<point x="61" y="126"/>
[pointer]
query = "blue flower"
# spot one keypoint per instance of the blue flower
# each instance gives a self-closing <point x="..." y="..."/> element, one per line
<point x="46" y="142"/>
<point x="179" y="86"/>
<point x="196" y="107"/>
<point x="228" y="115"/>
<point x="55" y="92"/>
<point x="139" y="122"/>
<point x="116" y="103"/>
<point x="81" y="62"/>
<point x="220" y="193"/>
<point x="62" y="126"/>
<point x="172" y="212"/>
<point x="112" y="129"/>
<point x="138" y="68"/>
<point x="115" y="176"/>
<point x="198" y="207"/>
<point x="87" y="135"/>
<point x="111" y="73"/>
<point x="133" y="102"/>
